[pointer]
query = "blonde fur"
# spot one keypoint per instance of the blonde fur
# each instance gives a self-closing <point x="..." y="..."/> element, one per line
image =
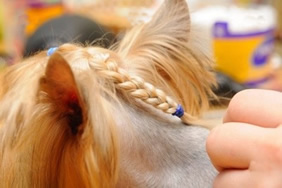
<point x="58" y="114"/>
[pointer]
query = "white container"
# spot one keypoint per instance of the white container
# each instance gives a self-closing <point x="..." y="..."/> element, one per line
<point x="242" y="40"/>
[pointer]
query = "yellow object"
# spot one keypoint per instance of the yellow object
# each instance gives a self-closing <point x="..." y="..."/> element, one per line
<point x="243" y="56"/>
<point x="38" y="15"/>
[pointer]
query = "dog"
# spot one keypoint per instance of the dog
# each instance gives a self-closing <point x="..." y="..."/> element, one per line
<point x="81" y="116"/>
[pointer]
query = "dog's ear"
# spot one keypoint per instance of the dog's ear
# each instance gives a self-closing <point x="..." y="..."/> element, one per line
<point x="172" y="19"/>
<point x="166" y="53"/>
<point x="170" y="22"/>
<point x="60" y="85"/>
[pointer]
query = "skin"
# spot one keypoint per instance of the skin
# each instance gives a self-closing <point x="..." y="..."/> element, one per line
<point x="247" y="148"/>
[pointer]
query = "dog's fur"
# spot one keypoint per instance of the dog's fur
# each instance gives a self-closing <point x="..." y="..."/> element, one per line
<point x="83" y="117"/>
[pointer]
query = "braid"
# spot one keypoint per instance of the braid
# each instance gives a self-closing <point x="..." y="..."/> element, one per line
<point x="135" y="86"/>
<point x="103" y="64"/>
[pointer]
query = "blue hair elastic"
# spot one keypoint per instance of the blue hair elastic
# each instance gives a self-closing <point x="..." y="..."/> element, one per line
<point x="179" y="111"/>
<point x="51" y="51"/>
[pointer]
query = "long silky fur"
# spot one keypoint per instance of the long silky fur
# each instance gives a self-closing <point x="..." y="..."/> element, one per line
<point x="37" y="148"/>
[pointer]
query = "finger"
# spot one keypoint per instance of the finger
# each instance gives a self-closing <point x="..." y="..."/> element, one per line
<point x="258" y="107"/>
<point x="233" y="179"/>
<point x="235" y="145"/>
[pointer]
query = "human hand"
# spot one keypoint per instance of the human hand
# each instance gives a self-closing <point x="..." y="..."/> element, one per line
<point x="247" y="148"/>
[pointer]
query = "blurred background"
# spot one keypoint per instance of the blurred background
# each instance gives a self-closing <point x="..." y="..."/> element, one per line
<point x="245" y="36"/>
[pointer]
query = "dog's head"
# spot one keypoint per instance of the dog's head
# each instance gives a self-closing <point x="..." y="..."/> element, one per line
<point x="57" y="129"/>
